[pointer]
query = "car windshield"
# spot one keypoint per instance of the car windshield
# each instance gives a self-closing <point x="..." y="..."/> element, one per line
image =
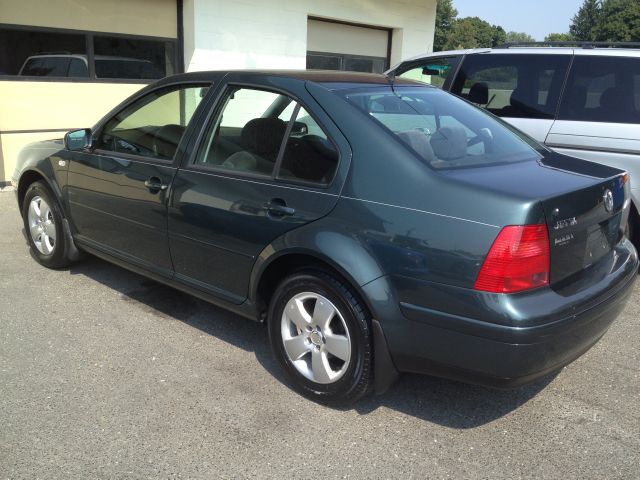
<point x="445" y="131"/>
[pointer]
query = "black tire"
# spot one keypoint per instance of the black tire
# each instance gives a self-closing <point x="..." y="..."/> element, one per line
<point x="633" y="228"/>
<point x="57" y="257"/>
<point x="353" y="321"/>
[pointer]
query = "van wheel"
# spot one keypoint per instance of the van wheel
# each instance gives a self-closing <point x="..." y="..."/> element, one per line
<point x="320" y="333"/>
<point x="43" y="226"/>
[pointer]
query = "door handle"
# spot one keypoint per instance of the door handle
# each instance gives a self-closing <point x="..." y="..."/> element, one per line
<point x="154" y="184"/>
<point x="278" y="208"/>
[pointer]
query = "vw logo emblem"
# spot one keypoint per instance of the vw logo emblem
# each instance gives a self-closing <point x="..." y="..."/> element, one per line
<point x="608" y="200"/>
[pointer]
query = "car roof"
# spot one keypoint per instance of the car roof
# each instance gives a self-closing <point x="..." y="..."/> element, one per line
<point x="533" y="50"/>
<point x="336" y="79"/>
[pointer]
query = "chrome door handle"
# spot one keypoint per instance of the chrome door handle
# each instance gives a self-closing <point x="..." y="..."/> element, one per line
<point x="154" y="183"/>
<point x="278" y="208"/>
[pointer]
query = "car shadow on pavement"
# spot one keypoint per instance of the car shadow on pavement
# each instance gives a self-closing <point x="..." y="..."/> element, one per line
<point x="444" y="402"/>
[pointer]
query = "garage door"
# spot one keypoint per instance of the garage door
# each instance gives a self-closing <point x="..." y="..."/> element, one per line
<point x="338" y="46"/>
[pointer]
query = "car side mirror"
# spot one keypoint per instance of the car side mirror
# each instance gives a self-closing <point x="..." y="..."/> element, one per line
<point x="77" y="140"/>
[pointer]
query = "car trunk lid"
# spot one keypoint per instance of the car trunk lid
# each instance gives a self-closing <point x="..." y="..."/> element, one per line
<point x="582" y="205"/>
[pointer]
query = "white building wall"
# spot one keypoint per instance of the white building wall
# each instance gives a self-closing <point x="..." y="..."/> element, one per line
<point x="223" y="34"/>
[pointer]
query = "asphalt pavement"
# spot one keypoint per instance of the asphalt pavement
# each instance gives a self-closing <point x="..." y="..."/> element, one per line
<point x="105" y="374"/>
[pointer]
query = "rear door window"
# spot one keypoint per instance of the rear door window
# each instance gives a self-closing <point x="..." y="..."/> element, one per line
<point x="602" y="89"/>
<point x="513" y="85"/>
<point x="433" y="71"/>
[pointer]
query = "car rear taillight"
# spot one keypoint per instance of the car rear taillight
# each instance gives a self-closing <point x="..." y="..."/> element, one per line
<point x="518" y="260"/>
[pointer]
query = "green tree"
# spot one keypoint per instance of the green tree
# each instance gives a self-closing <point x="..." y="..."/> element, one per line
<point x="585" y="23"/>
<point x="620" y="21"/>
<point x="445" y="17"/>
<point x="473" y="32"/>
<point x="559" y="37"/>
<point x="519" y="37"/>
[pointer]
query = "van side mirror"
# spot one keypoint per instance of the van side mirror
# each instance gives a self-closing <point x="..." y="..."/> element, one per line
<point x="77" y="140"/>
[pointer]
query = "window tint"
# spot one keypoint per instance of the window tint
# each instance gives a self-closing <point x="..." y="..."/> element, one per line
<point x="16" y="46"/>
<point x="154" y="125"/>
<point x="59" y="53"/>
<point x="52" y="66"/>
<point x="444" y="131"/>
<point x="342" y="61"/>
<point x="242" y="138"/>
<point x="117" y="57"/>
<point x="509" y="85"/>
<point x="602" y="89"/>
<point x="309" y="155"/>
<point x="78" y="68"/>
<point x="433" y="71"/>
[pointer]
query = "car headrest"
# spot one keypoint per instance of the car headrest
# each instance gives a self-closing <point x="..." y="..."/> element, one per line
<point x="519" y="98"/>
<point x="263" y="135"/>
<point x="479" y="93"/>
<point x="449" y="143"/>
<point x="419" y="142"/>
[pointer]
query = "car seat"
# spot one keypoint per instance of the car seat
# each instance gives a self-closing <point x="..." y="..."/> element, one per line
<point x="261" y="139"/>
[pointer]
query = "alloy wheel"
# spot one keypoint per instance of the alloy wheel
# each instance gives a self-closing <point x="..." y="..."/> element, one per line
<point x="42" y="226"/>
<point x="315" y="337"/>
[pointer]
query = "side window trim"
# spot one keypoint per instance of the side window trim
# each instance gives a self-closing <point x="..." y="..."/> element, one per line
<point x="283" y="145"/>
<point x="98" y="129"/>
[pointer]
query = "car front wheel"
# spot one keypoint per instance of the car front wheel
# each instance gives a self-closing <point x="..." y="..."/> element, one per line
<point x="43" y="226"/>
<point x="320" y="333"/>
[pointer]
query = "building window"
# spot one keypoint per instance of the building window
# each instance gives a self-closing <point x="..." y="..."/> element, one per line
<point x="350" y="63"/>
<point x="39" y="54"/>
<point x="18" y="48"/>
<point x="117" y="57"/>
<point x="334" y="45"/>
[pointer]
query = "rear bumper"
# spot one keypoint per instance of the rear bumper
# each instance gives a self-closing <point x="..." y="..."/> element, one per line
<point x="506" y="340"/>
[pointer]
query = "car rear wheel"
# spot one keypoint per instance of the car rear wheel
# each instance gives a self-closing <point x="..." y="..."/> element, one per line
<point x="320" y="333"/>
<point x="43" y="226"/>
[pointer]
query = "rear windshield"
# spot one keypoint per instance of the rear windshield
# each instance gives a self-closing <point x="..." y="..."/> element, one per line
<point x="445" y="131"/>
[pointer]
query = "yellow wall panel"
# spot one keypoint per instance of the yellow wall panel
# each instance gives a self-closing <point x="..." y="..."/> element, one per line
<point x="137" y="17"/>
<point x="37" y="106"/>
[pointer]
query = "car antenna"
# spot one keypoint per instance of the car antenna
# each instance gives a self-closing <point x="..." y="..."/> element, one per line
<point x="391" y="78"/>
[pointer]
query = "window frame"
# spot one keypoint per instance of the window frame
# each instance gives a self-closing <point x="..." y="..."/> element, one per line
<point x="100" y="127"/>
<point x="214" y="113"/>
<point x="89" y="52"/>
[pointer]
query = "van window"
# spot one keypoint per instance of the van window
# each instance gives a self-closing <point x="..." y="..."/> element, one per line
<point x="602" y="89"/>
<point x="52" y="66"/>
<point x="513" y="85"/>
<point x="434" y="71"/>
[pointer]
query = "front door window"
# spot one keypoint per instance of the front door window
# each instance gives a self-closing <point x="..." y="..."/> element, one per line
<point x="153" y="125"/>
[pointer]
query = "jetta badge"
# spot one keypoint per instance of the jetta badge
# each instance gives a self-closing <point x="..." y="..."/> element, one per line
<point x="608" y="200"/>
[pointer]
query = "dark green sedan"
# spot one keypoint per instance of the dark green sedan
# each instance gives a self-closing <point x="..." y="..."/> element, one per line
<point x="375" y="225"/>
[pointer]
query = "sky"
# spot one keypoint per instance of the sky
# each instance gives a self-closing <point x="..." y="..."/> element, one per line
<point x="535" y="17"/>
